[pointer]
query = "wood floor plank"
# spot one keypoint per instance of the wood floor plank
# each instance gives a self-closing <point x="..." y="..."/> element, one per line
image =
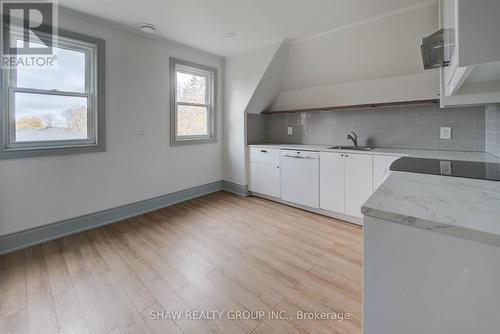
<point x="264" y="328"/>
<point x="93" y="258"/>
<point x="13" y="289"/>
<point x="209" y="290"/>
<point x="59" y="278"/>
<point x="41" y="311"/>
<point x="126" y="315"/>
<point x="219" y="252"/>
<point x="168" y="298"/>
<point x="140" y="296"/>
<point x="196" y="300"/>
<point x="15" y="323"/>
<point x="159" y="326"/>
<point x="95" y="308"/>
<point x="70" y="318"/>
<point x="146" y="252"/>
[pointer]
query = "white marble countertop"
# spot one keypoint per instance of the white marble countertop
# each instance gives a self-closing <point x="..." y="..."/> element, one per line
<point x="465" y="208"/>
<point x="450" y="155"/>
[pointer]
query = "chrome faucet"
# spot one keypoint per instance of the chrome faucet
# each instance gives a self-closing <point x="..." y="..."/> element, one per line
<point x="354" y="137"/>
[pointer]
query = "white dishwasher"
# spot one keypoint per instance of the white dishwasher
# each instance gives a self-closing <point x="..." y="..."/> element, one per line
<point x="300" y="177"/>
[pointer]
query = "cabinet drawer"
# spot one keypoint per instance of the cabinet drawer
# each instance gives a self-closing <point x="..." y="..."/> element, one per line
<point x="265" y="155"/>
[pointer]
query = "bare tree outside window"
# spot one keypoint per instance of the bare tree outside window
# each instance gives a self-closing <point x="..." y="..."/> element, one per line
<point x="191" y="88"/>
<point x="49" y="120"/>
<point x="76" y="119"/>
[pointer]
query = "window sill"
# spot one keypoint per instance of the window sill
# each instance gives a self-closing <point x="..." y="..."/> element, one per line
<point x="41" y="152"/>
<point x="193" y="142"/>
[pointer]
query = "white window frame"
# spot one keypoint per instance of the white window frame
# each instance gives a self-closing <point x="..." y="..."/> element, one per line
<point x="94" y="93"/>
<point x="210" y="73"/>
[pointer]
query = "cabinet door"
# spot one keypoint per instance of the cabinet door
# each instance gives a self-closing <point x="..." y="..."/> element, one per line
<point x="265" y="179"/>
<point x="448" y="22"/>
<point x="358" y="182"/>
<point x="331" y="182"/>
<point x="381" y="165"/>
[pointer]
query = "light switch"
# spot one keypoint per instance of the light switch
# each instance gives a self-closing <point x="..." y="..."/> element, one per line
<point x="290" y="131"/>
<point x="445" y="133"/>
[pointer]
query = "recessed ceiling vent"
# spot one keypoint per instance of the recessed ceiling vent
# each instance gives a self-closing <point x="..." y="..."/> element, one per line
<point x="148" y="28"/>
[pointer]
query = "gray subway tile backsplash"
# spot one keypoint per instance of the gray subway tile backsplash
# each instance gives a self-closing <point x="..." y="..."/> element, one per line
<point x="405" y="127"/>
<point x="492" y="116"/>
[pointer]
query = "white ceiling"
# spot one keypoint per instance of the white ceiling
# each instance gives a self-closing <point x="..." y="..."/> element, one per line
<point x="204" y="23"/>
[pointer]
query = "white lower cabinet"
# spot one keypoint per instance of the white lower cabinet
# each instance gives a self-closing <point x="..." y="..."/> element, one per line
<point x="332" y="182"/>
<point x="381" y="169"/>
<point x="265" y="179"/>
<point x="346" y="182"/>
<point x="358" y="182"/>
<point x="264" y="171"/>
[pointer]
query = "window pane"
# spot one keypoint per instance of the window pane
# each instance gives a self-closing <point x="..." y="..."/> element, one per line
<point x="192" y="121"/>
<point x="42" y="117"/>
<point x="191" y="88"/>
<point x="68" y="75"/>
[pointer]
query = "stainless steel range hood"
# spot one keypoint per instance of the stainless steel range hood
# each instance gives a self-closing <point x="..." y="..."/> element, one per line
<point x="433" y="49"/>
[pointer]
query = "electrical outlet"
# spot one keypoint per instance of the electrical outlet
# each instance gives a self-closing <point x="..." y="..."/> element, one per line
<point x="445" y="133"/>
<point x="141" y="133"/>
<point x="290" y="131"/>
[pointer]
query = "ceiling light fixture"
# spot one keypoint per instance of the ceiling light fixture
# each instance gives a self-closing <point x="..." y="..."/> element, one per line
<point x="148" y="28"/>
<point x="231" y="34"/>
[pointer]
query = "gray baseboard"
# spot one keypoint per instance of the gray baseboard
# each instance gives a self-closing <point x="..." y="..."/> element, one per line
<point x="235" y="188"/>
<point x="19" y="240"/>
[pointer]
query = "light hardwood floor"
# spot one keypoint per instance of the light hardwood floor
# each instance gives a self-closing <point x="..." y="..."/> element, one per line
<point x="215" y="253"/>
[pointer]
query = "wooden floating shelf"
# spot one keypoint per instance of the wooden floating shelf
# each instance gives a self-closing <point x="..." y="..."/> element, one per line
<point x="359" y="106"/>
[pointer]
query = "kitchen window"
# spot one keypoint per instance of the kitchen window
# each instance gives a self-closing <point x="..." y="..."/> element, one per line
<point x="192" y="114"/>
<point x="55" y="110"/>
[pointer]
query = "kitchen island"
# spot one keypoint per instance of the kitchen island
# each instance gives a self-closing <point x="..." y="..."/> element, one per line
<point x="432" y="256"/>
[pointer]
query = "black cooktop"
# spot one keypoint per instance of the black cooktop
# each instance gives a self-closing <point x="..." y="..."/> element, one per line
<point x="466" y="169"/>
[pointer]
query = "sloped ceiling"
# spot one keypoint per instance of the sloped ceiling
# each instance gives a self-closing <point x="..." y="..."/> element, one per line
<point x="243" y="80"/>
<point x="203" y="24"/>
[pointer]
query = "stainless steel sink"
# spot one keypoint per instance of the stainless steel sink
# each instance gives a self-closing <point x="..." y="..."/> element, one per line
<point x="353" y="148"/>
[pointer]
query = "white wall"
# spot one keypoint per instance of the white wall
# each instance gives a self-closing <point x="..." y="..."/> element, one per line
<point x="270" y="84"/>
<point x="385" y="47"/>
<point x="38" y="191"/>
<point x="243" y="74"/>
